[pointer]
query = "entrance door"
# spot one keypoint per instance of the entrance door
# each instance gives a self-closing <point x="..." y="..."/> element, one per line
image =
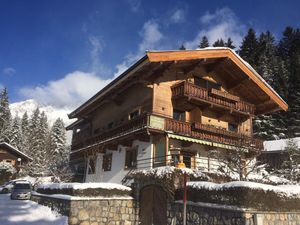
<point x="153" y="206"/>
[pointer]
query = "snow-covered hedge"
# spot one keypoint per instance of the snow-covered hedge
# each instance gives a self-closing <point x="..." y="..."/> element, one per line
<point x="246" y="195"/>
<point x="85" y="189"/>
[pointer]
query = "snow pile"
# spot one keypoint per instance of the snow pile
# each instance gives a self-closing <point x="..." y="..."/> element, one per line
<point x="27" y="212"/>
<point x="166" y="171"/>
<point x="82" y="186"/>
<point x="289" y="191"/>
<point x="85" y="189"/>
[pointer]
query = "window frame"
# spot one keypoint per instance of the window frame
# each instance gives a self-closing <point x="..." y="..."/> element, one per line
<point x="138" y="110"/>
<point x="107" y="162"/>
<point x="131" y="158"/>
<point x="90" y="169"/>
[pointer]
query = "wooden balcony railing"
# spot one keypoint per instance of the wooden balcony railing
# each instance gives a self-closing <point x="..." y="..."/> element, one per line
<point x="194" y="130"/>
<point x="212" y="97"/>
<point x="209" y="133"/>
<point x="127" y="127"/>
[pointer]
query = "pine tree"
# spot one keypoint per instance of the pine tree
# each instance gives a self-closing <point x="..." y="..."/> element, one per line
<point x="219" y="43"/>
<point x="5" y="116"/>
<point x="229" y="44"/>
<point x="249" y="48"/>
<point x="58" y="148"/>
<point x="204" y="42"/>
<point x="289" y="50"/>
<point x="15" y="136"/>
<point x="182" y="47"/>
<point x="25" y="132"/>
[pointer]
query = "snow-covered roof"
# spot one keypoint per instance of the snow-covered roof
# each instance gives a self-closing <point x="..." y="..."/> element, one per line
<point x="279" y="145"/>
<point x="15" y="150"/>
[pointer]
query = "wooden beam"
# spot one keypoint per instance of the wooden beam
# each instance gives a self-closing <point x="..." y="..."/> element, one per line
<point x="212" y="66"/>
<point x="153" y="74"/>
<point x="238" y="84"/>
<point x="193" y="66"/>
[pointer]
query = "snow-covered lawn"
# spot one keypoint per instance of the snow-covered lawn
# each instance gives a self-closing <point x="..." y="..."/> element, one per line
<point x="20" y="212"/>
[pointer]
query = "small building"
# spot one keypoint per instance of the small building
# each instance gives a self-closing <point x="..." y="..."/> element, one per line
<point x="274" y="153"/>
<point x="12" y="155"/>
<point x="170" y="107"/>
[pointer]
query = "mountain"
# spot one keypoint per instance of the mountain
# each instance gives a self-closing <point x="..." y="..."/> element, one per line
<point x="19" y="108"/>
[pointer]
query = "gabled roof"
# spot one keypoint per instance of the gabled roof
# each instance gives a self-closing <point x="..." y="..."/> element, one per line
<point x="154" y="57"/>
<point x="14" y="150"/>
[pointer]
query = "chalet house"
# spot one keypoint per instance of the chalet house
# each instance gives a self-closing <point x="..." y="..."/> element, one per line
<point x="170" y="107"/>
<point x="12" y="155"/>
<point x="275" y="153"/>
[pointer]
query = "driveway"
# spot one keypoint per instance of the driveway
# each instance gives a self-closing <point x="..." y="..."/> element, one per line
<point x="26" y="212"/>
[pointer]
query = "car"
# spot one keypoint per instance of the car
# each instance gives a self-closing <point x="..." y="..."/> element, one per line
<point x="21" y="190"/>
<point x="6" y="188"/>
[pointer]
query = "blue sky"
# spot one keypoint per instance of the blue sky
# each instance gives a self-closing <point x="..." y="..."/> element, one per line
<point x="62" y="52"/>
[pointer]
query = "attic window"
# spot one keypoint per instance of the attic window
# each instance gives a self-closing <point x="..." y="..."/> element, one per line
<point x="134" y="114"/>
<point x="206" y="83"/>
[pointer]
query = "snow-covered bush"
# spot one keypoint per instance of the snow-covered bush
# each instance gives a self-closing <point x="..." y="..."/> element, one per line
<point x="246" y="194"/>
<point x="85" y="189"/>
<point x="6" y="171"/>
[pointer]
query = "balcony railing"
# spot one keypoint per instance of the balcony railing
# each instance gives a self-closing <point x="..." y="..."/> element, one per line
<point x="210" y="133"/>
<point x="194" y="130"/>
<point x="127" y="127"/>
<point x="213" y="96"/>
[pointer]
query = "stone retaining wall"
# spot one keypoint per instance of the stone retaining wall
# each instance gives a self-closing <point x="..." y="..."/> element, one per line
<point x="105" y="211"/>
<point x="206" y="214"/>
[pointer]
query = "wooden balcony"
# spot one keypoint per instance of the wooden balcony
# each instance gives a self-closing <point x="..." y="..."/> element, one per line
<point x="212" y="97"/>
<point x="156" y="123"/>
<point x="127" y="127"/>
<point x="214" y="134"/>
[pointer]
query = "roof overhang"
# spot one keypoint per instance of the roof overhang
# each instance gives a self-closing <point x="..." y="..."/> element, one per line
<point x="15" y="151"/>
<point x="154" y="57"/>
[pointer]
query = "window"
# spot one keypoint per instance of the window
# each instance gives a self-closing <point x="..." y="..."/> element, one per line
<point x="134" y="114"/>
<point x="131" y="158"/>
<point x="232" y="127"/>
<point x="206" y="83"/>
<point x="159" y="151"/>
<point x="92" y="166"/>
<point x="107" y="160"/>
<point x="179" y="115"/>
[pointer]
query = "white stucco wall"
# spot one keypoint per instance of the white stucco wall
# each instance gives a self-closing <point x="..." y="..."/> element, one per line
<point x="118" y="170"/>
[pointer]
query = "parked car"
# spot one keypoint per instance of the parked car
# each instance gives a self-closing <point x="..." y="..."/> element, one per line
<point x="21" y="190"/>
<point x="6" y="188"/>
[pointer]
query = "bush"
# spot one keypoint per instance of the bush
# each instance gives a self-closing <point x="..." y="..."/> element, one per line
<point x="6" y="171"/>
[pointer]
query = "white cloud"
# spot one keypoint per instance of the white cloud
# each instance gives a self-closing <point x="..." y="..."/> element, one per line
<point x="178" y="16"/>
<point x="151" y="39"/>
<point x="70" y="91"/>
<point x="1" y="87"/>
<point x="9" y="71"/>
<point x="223" y="23"/>
<point x="96" y="49"/>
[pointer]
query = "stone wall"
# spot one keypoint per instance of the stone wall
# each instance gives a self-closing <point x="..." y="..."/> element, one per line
<point x="89" y="211"/>
<point x="206" y="214"/>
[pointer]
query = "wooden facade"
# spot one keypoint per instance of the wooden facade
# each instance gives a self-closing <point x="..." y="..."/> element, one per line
<point x="13" y="156"/>
<point x="203" y="97"/>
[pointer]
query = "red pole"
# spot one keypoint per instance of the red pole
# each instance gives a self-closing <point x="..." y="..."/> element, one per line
<point x="184" y="199"/>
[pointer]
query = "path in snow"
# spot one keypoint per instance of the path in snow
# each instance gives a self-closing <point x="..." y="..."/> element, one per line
<point x="25" y="212"/>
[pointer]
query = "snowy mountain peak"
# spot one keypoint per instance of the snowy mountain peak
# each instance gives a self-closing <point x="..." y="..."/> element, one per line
<point x="19" y="108"/>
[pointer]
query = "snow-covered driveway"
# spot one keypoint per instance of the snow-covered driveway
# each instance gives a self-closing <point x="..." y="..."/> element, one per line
<point x="25" y="212"/>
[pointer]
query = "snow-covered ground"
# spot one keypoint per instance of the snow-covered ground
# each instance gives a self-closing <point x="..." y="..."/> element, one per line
<point x="20" y="212"/>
